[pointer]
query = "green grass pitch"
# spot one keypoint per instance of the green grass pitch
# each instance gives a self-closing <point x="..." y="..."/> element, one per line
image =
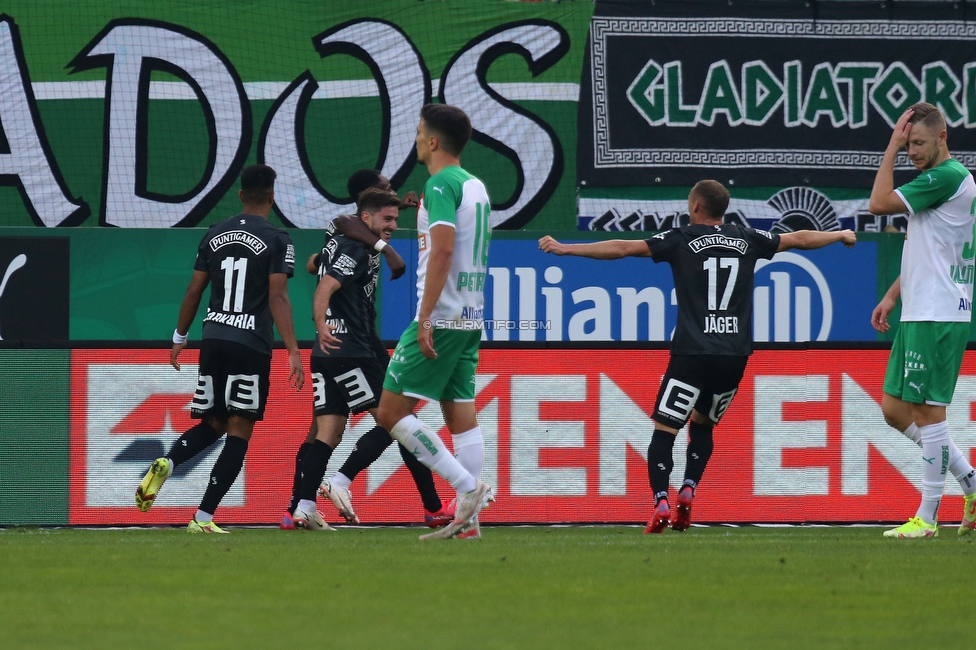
<point x="519" y="587"/>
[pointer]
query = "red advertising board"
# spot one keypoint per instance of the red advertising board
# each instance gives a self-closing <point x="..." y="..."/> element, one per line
<point x="566" y="432"/>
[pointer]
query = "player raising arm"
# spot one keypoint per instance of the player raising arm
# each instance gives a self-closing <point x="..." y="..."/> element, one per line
<point x="713" y="265"/>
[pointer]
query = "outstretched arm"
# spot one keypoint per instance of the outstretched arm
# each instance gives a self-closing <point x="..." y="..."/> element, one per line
<point x="280" y="306"/>
<point x="355" y="229"/>
<point x="612" y="249"/>
<point x="188" y="311"/>
<point x="811" y="239"/>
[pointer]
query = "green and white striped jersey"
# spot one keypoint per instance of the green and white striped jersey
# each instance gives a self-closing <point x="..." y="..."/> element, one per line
<point x="455" y="198"/>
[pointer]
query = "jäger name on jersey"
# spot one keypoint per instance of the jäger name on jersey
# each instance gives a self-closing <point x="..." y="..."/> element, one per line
<point x="721" y="324"/>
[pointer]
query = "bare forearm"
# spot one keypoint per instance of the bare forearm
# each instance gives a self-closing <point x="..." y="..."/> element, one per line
<point x="884" y="183"/>
<point x="894" y="291"/>
<point x="812" y="239"/>
<point x="188" y="311"/>
<point x="355" y="229"/>
<point x="612" y="249"/>
<point x="280" y="306"/>
<point x="321" y="300"/>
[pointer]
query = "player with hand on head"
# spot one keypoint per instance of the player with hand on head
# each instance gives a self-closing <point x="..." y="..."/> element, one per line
<point x="936" y="297"/>
<point x="713" y="264"/>
<point x="247" y="263"/>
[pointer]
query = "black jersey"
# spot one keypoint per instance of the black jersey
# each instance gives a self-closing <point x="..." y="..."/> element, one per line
<point x="239" y="254"/>
<point x="713" y="269"/>
<point x="352" y="310"/>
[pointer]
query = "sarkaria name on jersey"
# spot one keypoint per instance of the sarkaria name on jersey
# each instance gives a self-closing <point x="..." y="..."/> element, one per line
<point x="718" y="241"/>
<point x="241" y="237"/>
<point x="240" y="321"/>
<point x="338" y="325"/>
<point x="721" y="324"/>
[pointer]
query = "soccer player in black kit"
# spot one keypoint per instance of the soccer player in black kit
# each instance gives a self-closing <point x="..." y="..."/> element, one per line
<point x="247" y="263"/>
<point x="347" y="373"/>
<point x="374" y="442"/>
<point x="713" y="264"/>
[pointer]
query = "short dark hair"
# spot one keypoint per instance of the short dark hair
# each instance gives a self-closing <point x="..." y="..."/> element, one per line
<point x="450" y="124"/>
<point x="713" y="196"/>
<point x="257" y="184"/>
<point x="361" y="179"/>
<point x="374" y="199"/>
<point x="928" y="115"/>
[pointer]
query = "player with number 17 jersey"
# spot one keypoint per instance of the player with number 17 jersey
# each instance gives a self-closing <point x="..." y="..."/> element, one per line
<point x="239" y="254"/>
<point x="713" y="268"/>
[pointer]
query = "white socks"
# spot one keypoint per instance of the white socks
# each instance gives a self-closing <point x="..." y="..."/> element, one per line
<point x="469" y="449"/>
<point x="958" y="464"/>
<point x="203" y="517"/>
<point x="430" y="450"/>
<point x="307" y="505"/>
<point x="935" y="464"/>
<point x="340" y="480"/>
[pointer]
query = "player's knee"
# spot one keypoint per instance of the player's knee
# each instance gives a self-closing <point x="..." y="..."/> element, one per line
<point x="897" y="419"/>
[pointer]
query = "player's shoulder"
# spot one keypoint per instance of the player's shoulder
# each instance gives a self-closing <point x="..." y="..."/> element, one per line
<point x="949" y="172"/>
<point x="452" y="178"/>
<point x="954" y="167"/>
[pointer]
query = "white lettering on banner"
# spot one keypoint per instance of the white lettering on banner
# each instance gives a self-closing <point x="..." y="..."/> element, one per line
<point x="28" y="156"/>
<point x="301" y="199"/>
<point x="131" y="51"/>
<point x="529" y="435"/>
<point x="430" y="414"/>
<point x="114" y="392"/>
<point x="508" y="127"/>
<point x="598" y="315"/>
<point x="864" y="425"/>
<point x="800" y="309"/>
<point x="788" y="289"/>
<point x="772" y="434"/>
<point x="624" y="424"/>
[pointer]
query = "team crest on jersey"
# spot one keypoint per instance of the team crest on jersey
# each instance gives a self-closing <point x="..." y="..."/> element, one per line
<point x="330" y="249"/>
<point x="243" y="238"/>
<point x="718" y="241"/>
<point x="345" y="265"/>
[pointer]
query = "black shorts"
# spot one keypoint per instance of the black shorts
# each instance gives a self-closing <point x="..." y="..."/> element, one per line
<point x="233" y="380"/>
<point x="705" y="383"/>
<point x="344" y="385"/>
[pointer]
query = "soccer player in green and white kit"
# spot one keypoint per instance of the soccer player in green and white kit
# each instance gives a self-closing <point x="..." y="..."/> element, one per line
<point x="936" y="289"/>
<point x="437" y="355"/>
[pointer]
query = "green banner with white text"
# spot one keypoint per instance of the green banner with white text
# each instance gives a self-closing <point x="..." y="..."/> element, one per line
<point x="143" y="114"/>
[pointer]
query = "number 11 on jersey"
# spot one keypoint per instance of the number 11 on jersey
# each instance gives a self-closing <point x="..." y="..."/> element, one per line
<point x="232" y="266"/>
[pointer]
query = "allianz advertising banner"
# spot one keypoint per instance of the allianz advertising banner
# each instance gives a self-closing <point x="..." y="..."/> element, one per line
<point x="822" y="295"/>
<point x="566" y="439"/>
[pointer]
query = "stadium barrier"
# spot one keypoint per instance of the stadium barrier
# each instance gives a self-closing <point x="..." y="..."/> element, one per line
<point x="566" y="431"/>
